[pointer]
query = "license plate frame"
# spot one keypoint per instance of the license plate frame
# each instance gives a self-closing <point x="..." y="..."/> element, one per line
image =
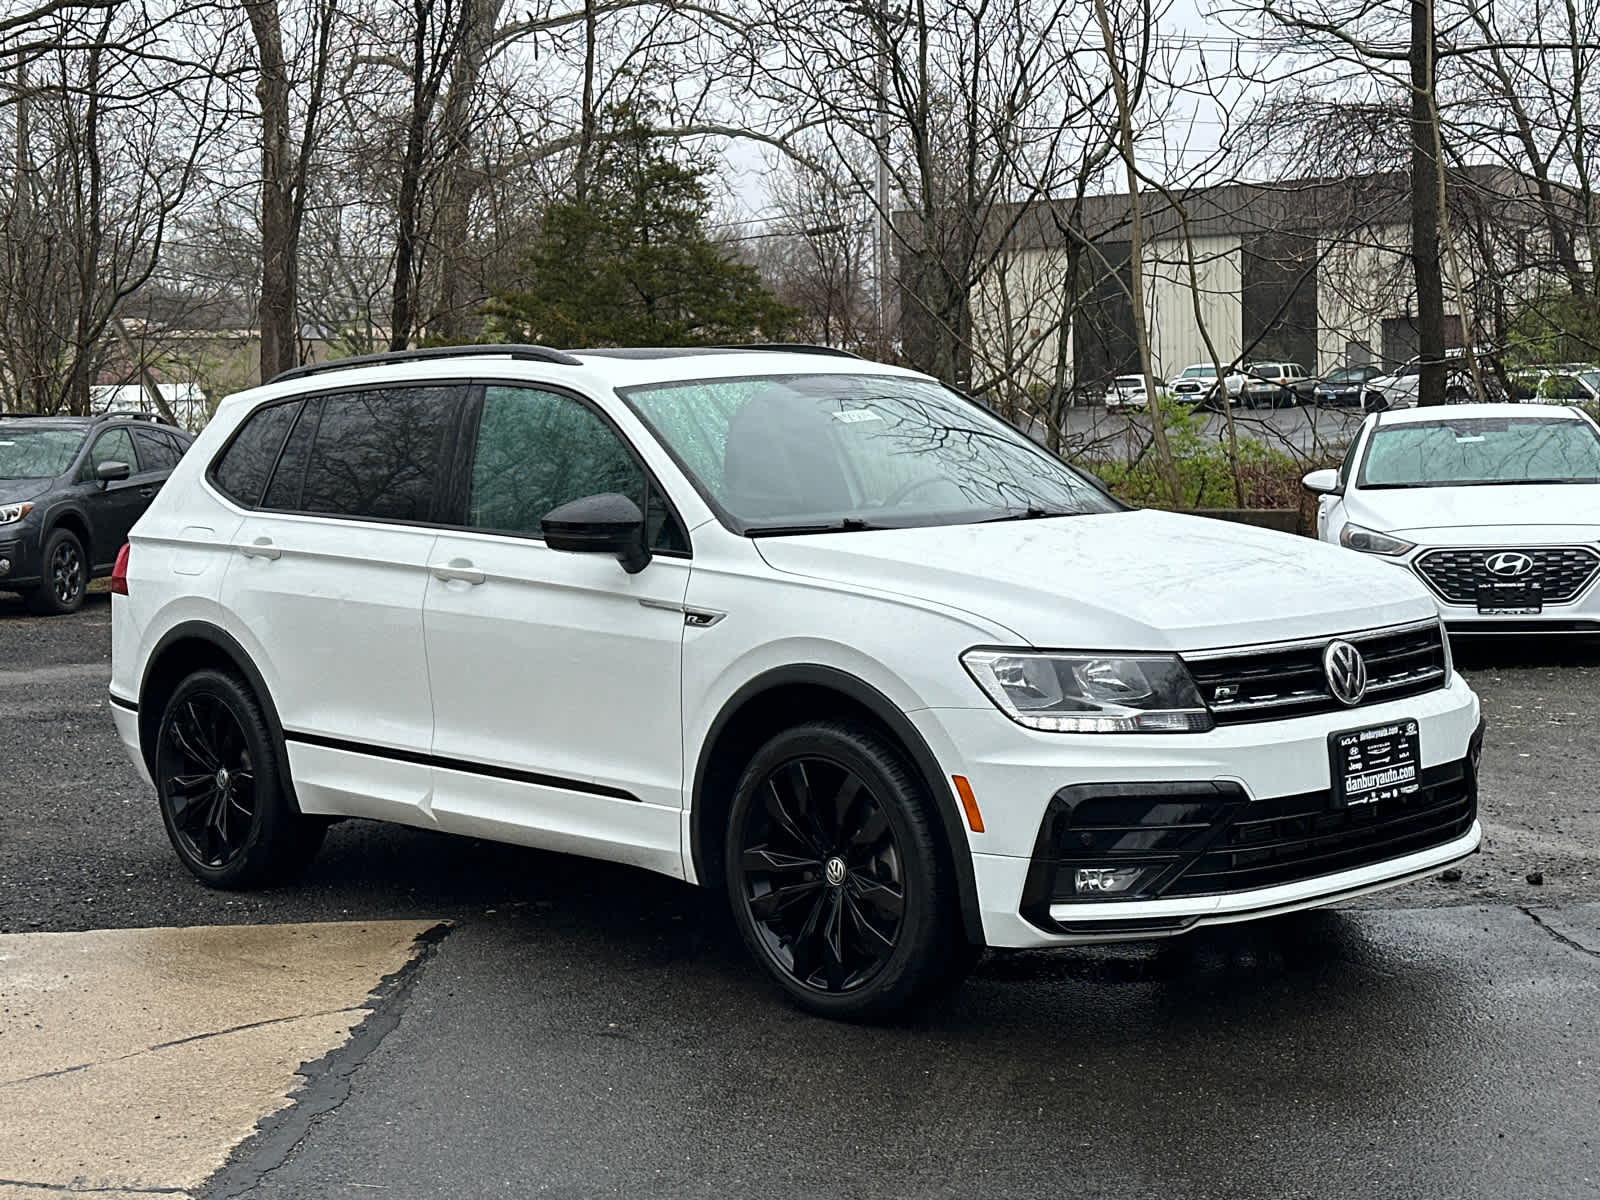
<point x="1512" y="598"/>
<point x="1375" y="763"/>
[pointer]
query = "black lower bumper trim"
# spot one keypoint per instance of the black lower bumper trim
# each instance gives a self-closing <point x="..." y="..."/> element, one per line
<point x="1176" y="840"/>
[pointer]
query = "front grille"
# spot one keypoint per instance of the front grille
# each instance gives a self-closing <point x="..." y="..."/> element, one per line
<point x="1206" y="839"/>
<point x="1266" y="683"/>
<point x="1297" y="837"/>
<point x="1562" y="571"/>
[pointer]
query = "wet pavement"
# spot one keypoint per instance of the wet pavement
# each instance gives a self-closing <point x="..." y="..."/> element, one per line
<point x="1449" y="1052"/>
<point x="582" y="1029"/>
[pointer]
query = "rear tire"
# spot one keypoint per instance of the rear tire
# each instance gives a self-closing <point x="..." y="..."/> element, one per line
<point x="66" y="576"/>
<point x="835" y="874"/>
<point x="220" y="789"/>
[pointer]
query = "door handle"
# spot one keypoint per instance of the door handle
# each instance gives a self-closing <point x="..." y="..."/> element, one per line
<point x="147" y="491"/>
<point x="262" y="547"/>
<point x="458" y="570"/>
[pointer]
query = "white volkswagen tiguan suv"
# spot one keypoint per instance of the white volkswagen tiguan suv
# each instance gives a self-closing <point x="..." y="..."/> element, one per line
<point x="818" y="632"/>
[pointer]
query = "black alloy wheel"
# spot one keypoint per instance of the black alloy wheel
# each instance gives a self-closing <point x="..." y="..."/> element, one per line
<point x="66" y="575"/>
<point x="219" y="788"/>
<point x="837" y="882"/>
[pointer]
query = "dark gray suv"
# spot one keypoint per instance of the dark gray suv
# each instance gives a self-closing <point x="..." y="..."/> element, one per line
<point x="70" y="489"/>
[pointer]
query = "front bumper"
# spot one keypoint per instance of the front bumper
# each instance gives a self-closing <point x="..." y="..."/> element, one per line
<point x="1268" y="775"/>
<point x="19" y="549"/>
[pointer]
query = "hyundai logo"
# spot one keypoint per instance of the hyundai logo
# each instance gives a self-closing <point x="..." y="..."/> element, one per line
<point x="1346" y="671"/>
<point x="1509" y="564"/>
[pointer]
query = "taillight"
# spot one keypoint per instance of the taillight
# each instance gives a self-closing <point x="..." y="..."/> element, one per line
<point x="119" y="573"/>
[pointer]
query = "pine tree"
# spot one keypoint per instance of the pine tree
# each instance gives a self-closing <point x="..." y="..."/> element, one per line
<point x="631" y="262"/>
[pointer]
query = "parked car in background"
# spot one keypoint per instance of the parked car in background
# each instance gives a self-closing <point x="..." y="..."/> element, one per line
<point x="1398" y="388"/>
<point x="1567" y="384"/>
<point x="1348" y="387"/>
<point x="1276" y="384"/>
<point x="821" y="634"/>
<point x="1126" y="392"/>
<point x="1496" y="507"/>
<point x="1197" y="384"/>
<point x="70" y="489"/>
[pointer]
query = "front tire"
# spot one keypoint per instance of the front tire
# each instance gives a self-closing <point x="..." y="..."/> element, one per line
<point x="835" y="876"/>
<point x="220" y="789"/>
<point x="66" y="576"/>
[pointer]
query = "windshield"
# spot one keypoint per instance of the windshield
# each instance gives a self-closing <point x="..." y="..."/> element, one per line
<point x="808" y="453"/>
<point x="1199" y="373"/>
<point x="1347" y="375"/>
<point x="1482" y="450"/>
<point x="37" y="453"/>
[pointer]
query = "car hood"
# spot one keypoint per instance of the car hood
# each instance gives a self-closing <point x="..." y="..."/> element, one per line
<point x="1500" y="512"/>
<point x="14" y="491"/>
<point x="1141" y="580"/>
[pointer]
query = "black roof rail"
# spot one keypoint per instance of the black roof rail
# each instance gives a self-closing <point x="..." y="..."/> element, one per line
<point x="529" y="353"/>
<point x="794" y="348"/>
<point x="132" y="414"/>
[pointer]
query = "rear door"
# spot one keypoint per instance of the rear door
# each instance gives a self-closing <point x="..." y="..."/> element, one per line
<point x="326" y="583"/>
<point x="556" y="675"/>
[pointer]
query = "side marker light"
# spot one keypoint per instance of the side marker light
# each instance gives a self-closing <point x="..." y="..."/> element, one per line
<point x="969" y="803"/>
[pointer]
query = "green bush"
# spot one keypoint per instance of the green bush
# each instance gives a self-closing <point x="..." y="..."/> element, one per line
<point x="1270" y="478"/>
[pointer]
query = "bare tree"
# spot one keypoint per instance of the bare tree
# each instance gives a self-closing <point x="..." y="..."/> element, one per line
<point x="106" y="155"/>
<point x="289" y="139"/>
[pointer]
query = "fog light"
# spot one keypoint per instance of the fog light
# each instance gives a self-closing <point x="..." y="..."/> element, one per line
<point x="1102" y="881"/>
<point x="5" y="566"/>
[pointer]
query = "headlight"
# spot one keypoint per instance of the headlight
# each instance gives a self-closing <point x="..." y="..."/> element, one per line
<point x="1091" y="693"/>
<point x="1370" y="541"/>
<point x="13" y="512"/>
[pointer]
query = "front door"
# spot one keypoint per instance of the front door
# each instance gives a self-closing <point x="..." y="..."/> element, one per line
<point x="556" y="675"/>
<point x="113" y="505"/>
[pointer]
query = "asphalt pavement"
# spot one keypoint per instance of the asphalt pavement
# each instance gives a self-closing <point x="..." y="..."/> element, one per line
<point x="570" y="1028"/>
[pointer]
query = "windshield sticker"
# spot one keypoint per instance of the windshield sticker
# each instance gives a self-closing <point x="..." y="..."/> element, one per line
<point x="851" y="415"/>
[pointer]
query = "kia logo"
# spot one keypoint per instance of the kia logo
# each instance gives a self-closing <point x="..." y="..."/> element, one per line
<point x="1509" y="564"/>
<point x="1346" y="671"/>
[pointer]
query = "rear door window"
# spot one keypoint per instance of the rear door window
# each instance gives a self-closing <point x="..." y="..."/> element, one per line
<point x="156" y="450"/>
<point x="378" y="455"/>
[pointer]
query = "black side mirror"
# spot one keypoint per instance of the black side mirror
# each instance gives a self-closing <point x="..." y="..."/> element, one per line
<point x="109" y="472"/>
<point x="609" y="523"/>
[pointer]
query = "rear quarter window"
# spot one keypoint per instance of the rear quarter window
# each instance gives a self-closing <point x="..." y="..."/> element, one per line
<point x="242" y="471"/>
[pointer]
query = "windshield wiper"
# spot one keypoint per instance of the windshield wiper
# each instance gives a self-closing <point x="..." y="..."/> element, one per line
<point x="843" y="525"/>
<point x="1032" y="513"/>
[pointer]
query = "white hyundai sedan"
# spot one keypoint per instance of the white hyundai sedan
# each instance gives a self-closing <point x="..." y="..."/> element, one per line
<point x="1496" y="507"/>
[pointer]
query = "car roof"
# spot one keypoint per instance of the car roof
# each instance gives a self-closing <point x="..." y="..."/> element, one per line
<point x="600" y="369"/>
<point x="1412" y="416"/>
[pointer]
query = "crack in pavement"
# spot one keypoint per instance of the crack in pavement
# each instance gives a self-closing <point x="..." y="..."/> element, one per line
<point x="183" y="1041"/>
<point x="328" y="1081"/>
<point x="1570" y="943"/>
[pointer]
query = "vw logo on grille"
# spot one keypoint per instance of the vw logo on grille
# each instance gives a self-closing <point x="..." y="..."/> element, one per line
<point x="1346" y="671"/>
<point x="1509" y="564"/>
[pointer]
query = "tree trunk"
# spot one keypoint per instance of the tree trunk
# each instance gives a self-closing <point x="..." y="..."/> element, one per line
<point x="1427" y="268"/>
<point x="460" y="174"/>
<point x="280" y="335"/>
